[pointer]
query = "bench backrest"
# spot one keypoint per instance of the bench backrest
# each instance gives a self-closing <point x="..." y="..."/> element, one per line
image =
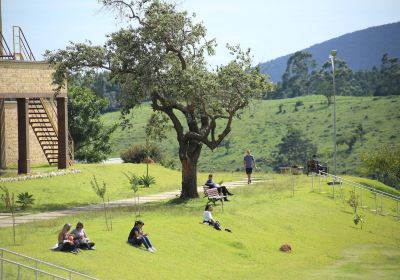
<point x="212" y="192"/>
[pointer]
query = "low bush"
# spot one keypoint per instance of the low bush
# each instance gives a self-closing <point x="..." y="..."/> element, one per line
<point x="138" y="153"/>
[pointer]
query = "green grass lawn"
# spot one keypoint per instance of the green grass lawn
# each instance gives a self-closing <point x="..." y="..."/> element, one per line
<point x="261" y="129"/>
<point x="325" y="242"/>
<point x="75" y="189"/>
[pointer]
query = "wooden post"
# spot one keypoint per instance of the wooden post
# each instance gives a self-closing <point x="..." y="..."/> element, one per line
<point x="23" y="136"/>
<point x="2" y="134"/>
<point x="62" y="119"/>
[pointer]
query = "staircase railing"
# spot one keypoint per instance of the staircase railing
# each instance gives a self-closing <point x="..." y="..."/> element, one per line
<point x="22" y="50"/>
<point x="52" y="113"/>
<point x="36" y="269"/>
<point x="5" y="52"/>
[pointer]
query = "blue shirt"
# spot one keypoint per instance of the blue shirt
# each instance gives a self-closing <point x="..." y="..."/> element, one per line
<point x="249" y="161"/>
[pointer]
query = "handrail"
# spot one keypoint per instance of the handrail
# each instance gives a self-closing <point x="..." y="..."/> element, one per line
<point x="46" y="263"/>
<point x="28" y="267"/>
<point x="360" y="186"/>
<point x="23" y="45"/>
<point x="5" y="51"/>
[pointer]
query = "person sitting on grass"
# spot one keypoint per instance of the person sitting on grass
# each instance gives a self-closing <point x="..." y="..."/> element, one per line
<point x="220" y="189"/>
<point x="66" y="240"/>
<point x="209" y="220"/>
<point x="81" y="239"/>
<point x="137" y="237"/>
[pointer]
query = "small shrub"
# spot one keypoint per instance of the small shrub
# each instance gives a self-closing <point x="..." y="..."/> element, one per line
<point x="25" y="200"/>
<point x="147" y="180"/>
<point x="311" y="106"/>
<point x="138" y="153"/>
<point x="299" y="103"/>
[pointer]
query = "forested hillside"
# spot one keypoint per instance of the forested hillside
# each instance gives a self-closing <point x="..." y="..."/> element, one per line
<point x="361" y="50"/>
<point x="364" y="123"/>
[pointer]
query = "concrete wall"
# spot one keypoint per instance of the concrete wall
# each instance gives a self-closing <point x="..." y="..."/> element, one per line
<point x="11" y="138"/>
<point x="26" y="79"/>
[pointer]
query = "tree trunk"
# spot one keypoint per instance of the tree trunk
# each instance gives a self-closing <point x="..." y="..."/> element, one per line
<point x="189" y="155"/>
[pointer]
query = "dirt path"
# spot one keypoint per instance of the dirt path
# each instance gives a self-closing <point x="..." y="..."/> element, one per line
<point x="6" y="220"/>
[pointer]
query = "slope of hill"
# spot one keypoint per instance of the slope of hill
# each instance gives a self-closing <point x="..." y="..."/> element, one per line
<point x="360" y="49"/>
<point x="262" y="128"/>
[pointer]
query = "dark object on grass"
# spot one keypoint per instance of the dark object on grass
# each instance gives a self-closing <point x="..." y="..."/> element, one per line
<point x="228" y="230"/>
<point x="285" y="248"/>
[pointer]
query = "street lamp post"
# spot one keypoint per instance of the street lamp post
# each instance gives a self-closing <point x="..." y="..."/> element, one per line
<point x="332" y="57"/>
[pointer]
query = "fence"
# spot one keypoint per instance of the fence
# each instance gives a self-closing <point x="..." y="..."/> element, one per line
<point x="377" y="201"/>
<point x="18" y="270"/>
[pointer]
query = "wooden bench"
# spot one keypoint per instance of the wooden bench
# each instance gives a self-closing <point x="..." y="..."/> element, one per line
<point x="213" y="195"/>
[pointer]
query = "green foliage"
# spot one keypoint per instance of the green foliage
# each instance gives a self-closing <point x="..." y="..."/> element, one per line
<point x="301" y="79"/>
<point x="294" y="149"/>
<point x="91" y="138"/>
<point x="353" y="200"/>
<point x="320" y="230"/>
<point x="25" y="200"/>
<point x="8" y="200"/>
<point x="147" y="180"/>
<point x="358" y="218"/>
<point x="161" y="57"/>
<point x="383" y="163"/>
<point x="99" y="190"/>
<point x="264" y="132"/>
<point x="138" y="153"/>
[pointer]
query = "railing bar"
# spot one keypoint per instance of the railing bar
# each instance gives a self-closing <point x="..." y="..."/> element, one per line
<point x="365" y="187"/>
<point x="34" y="269"/>
<point x="46" y="263"/>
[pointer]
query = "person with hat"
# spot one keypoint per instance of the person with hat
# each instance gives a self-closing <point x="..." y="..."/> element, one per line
<point x="137" y="237"/>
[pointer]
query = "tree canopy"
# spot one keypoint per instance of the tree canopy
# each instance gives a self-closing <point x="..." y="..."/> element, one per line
<point x="161" y="58"/>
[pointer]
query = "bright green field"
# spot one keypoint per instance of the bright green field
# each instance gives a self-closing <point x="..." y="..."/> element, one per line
<point x="75" y="189"/>
<point x="261" y="129"/>
<point x="325" y="242"/>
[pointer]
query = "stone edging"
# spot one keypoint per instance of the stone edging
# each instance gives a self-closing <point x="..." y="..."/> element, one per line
<point x="40" y="175"/>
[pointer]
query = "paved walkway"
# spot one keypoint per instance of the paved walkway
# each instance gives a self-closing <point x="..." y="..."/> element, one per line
<point x="6" y="220"/>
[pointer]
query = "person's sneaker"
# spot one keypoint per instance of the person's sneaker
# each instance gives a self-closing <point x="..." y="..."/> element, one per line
<point x="225" y="199"/>
<point x="150" y="250"/>
<point x="230" y="193"/>
<point x="154" y="248"/>
<point x="250" y="180"/>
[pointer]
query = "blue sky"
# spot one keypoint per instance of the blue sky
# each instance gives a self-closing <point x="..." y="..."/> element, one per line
<point x="270" y="28"/>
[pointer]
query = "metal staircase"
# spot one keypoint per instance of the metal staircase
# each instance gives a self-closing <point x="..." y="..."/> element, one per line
<point x="42" y="112"/>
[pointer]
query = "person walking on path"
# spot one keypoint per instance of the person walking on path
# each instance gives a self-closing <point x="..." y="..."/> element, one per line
<point x="249" y="163"/>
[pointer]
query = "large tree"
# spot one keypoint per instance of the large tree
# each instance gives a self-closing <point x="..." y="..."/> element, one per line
<point x="161" y="58"/>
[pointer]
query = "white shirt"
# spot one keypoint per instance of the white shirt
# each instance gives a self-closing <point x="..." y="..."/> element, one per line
<point x="207" y="216"/>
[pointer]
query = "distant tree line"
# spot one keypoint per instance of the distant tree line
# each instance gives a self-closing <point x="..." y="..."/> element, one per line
<point x="303" y="78"/>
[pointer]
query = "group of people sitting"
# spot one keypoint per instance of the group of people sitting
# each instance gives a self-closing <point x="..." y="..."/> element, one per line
<point x="72" y="241"/>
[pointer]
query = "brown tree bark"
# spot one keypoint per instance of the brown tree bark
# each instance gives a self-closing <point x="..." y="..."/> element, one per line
<point x="189" y="154"/>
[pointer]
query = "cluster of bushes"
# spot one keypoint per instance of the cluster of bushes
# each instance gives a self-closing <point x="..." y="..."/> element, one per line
<point x="138" y="153"/>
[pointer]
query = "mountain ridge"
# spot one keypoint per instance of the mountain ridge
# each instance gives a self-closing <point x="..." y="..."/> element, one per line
<point x="361" y="49"/>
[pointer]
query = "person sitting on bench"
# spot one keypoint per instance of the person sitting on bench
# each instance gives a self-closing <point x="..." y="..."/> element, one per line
<point x="221" y="189"/>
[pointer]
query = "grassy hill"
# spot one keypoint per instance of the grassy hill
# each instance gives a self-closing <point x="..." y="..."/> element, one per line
<point x="325" y="242"/>
<point x="261" y="128"/>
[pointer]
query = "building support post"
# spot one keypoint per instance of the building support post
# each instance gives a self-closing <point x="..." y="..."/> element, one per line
<point x="3" y="164"/>
<point x="23" y="136"/>
<point x="62" y="119"/>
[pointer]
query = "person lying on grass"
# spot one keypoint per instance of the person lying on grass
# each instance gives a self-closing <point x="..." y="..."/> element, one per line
<point x="220" y="189"/>
<point x="209" y="220"/>
<point x="66" y="240"/>
<point x="81" y="240"/>
<point x="137" y="237"/>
